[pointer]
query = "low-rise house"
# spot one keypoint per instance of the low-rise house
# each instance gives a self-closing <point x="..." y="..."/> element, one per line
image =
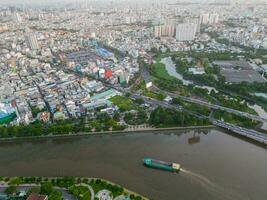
<point x="197" y="70"/>
<point x="34" y="196"/>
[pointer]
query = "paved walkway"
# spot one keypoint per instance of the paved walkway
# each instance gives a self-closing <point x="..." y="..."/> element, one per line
<point x="24" y="187"/>
<point x="89" y="188"/>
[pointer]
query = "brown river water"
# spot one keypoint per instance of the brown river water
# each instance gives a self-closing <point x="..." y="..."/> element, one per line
<point x="215" y="165"/>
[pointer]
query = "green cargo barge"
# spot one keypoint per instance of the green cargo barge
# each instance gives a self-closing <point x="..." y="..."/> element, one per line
<point x="157" y="164"/>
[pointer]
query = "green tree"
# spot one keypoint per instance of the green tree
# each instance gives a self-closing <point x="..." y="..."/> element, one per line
<point x="66" y="182"/>
<point x="15" y="181"/>
<point x="116" y="116"/>
<point x="46" y="188"/>
<point x="55" y="195"/>
<point x="11" y="189"/>
<point x="35" y="190"/>
<point x="139" y="101"/>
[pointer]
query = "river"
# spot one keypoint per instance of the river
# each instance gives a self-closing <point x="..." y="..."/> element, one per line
<point x="171" y="70"/>
<point x="215" y="165"/>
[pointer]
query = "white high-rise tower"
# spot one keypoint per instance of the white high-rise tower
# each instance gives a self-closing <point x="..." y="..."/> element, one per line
<point x="31" y="40"/>
<point x="17" y="18"/>
<point x="186" y="32"/>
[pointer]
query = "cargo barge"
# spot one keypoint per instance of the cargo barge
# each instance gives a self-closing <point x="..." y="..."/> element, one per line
<point x="158" y="164"/>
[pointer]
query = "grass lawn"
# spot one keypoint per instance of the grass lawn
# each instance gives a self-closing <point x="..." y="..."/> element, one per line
<point x="124" y="103"/>
<point x="160" y="71"/>
<point x="98" y="185"/>
<point x="86" y="196"/>
<point x="81" y="192"/>
<point x="158" y="96"/>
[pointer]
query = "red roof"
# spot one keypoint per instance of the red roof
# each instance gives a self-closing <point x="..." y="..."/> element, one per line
<point x="13" y="103"/>
<point x="108" y="73"/>
<point x="37" y="197"/>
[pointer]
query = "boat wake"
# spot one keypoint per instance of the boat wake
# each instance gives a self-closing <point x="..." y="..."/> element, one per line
<point x="213" y="188"/>
<point x="201" y="179"/>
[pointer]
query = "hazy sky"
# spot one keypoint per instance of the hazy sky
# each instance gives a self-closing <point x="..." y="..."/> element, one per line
<point x="54" y="2"/>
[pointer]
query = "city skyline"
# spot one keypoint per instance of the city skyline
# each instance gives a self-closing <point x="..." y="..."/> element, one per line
<point x="165" y="97"/>
<point x="27" y="2"/>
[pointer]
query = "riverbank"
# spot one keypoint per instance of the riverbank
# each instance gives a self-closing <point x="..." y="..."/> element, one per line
<point x="125" y="189"/>
<point x="119" y="159"/>
<point x="94" y="184"/>
<point x="83" y="134"/>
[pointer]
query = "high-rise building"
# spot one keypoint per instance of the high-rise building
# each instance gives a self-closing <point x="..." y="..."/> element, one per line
<point x="17" y="17"/>
<point x="194" y="21"/>
<point x="214" y="18"/>
<point x="32" y="41"/>
<point x="166" y="30"/>
<point x="204" y="18"/>
<point x="186" y="31"/>
<point x="157" y="31"/>
<point x="130" y="20"/>
<point x="3" y="28"/>
<point x="207" y="18"/>
<point x="86" y="4"/>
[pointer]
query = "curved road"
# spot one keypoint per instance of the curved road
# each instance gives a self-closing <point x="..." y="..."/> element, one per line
<point x="89" y="188"/>
<point x="26" y="187"/>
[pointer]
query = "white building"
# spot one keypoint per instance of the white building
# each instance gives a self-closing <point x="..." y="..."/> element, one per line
<point x="130" y="20"/>
<point x="167" y="30"/>
<point x="264" y="43"/>
<point x="207" y="18"/>
<point x="214" y="18"/>
<point x="186" y="31"/>
<point x="17" y="18"/>
<point x="204" y="18"/>
<point x="32" y="41"/>
<point x="197" y="70"/>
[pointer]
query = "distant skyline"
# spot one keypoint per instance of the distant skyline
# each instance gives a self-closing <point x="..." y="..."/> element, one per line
<point x="78" y="1"/>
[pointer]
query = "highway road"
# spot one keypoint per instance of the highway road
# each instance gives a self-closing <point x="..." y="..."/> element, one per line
<point x="201" y="102"/>
<point x="187" y="99"/>
<point x="212" y="106"/>
<point x="166" y="104"/>
<point x="147" y="77"/>
<point x="252" y="134"/>
<point x="249" y="133"/>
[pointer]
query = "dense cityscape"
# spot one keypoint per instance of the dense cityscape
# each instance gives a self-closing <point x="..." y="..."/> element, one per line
<point x="80" y="68"/>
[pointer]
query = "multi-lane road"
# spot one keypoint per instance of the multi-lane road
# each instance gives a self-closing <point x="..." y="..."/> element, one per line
<point x="212" y="106"/>
<point x="166" y="104"/>
<point x="218" y="107"/>
<point x="147" y="77"/>
<point x="249" y="133"/>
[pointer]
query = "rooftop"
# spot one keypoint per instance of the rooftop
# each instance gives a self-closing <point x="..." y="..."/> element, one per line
<point x="37" y="197"/>
<point x="105" y="94"/>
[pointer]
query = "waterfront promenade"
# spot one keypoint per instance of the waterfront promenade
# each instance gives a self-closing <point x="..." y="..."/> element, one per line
<point x="132" y="129"/>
